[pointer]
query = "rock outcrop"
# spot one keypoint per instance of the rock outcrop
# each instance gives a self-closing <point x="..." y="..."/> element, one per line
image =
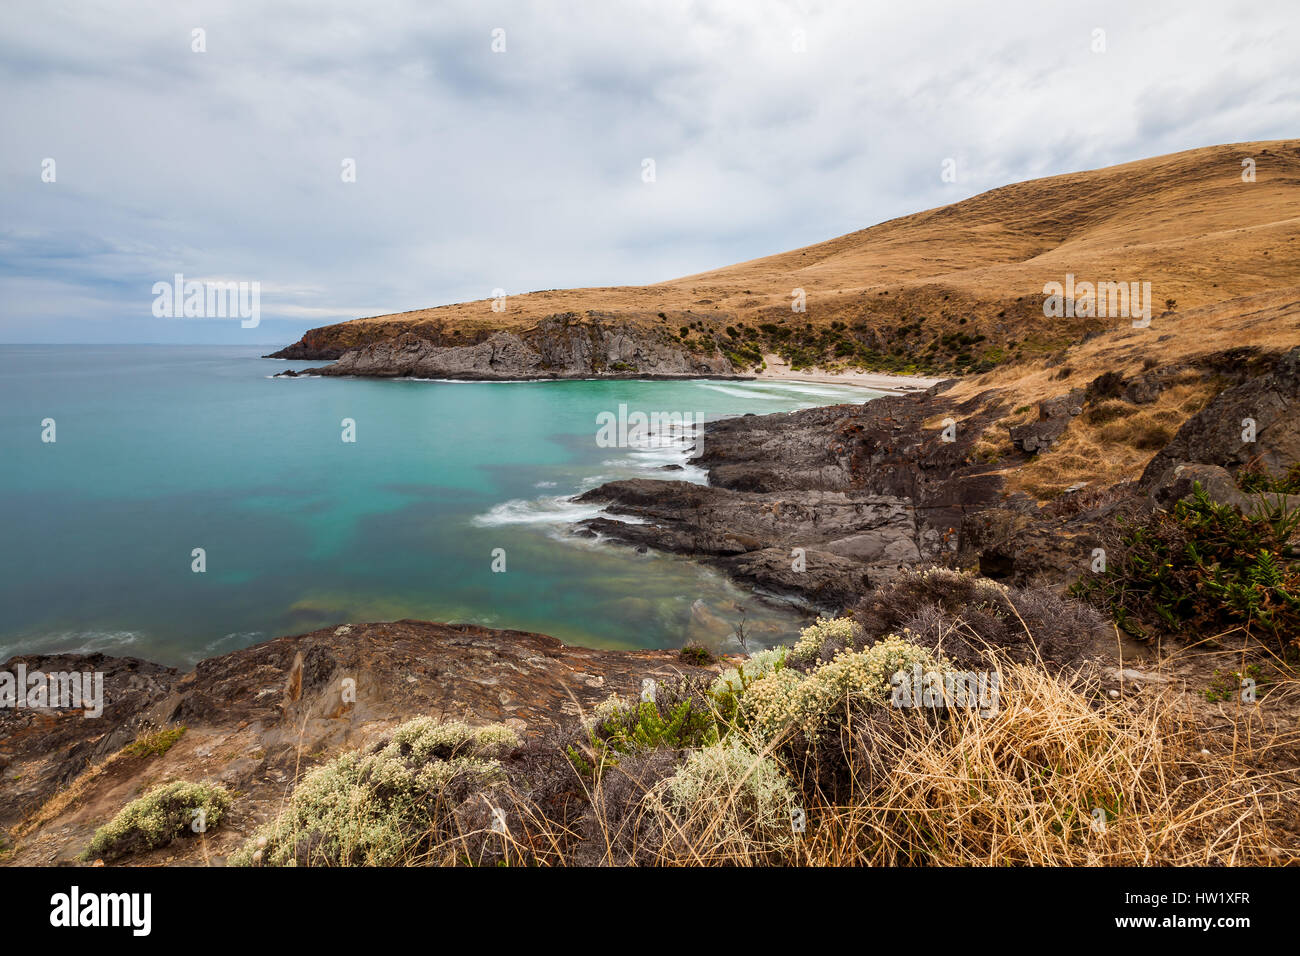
<point x="818" y="503"/>
<point x="565" y="346"/>
<point x="257" y="719"/>
<point x="1053" y="418"/>
<point x="1256" y="422"/>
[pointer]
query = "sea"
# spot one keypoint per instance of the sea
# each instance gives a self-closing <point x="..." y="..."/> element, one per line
<point x="178" y="502"/>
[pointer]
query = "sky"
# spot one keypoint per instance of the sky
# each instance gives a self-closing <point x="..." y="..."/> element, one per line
<point x="503" y="145"/>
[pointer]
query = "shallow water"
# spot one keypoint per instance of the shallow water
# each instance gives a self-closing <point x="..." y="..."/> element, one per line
<point x="161" y="450"/>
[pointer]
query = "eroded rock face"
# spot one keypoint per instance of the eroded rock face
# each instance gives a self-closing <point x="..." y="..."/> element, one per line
<point x="558" y="347"/>
<point x="1217" y="435"/>
<point x="42" y="750"/>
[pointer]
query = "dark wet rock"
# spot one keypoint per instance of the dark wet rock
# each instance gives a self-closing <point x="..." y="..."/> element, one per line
<point x="827" y="580"/>
<point x="697" y="519"/>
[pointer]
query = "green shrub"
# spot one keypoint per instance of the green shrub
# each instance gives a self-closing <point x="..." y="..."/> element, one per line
<point x="1256" y="479"/>
<point x="155" y="744"/>
<point x="1203" y="567"/>
<point x="385" y="807"/>
<point x="159" y="817"/>
<point x="677" y="719"/>
<point x="695" y="653"/>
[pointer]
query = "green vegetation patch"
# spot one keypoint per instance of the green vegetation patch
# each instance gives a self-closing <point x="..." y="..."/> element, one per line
<point x="155" y="744"/>
<point x="1205" y="567"/>
<point x="159" y="817"/>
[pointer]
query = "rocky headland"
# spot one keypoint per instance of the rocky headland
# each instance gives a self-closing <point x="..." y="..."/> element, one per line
<point x="560" y="346"/>
<point x="823" y="503"/>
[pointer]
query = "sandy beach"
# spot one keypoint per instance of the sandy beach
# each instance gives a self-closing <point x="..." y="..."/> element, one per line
<point x="778" y="370"/>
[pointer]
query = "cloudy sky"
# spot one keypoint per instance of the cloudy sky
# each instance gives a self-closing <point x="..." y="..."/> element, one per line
<point x="771" y="125"/>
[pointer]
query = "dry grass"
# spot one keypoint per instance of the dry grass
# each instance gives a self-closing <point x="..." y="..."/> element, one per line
<point x="1112" y="441"/>
<point x="1027" y="785"/>
<point x="1061" y="775"/>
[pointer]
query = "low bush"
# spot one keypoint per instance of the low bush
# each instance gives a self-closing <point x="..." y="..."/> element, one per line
<point x="964" y="618"/>
<point x="1205" y="567"/>
<point x="159" y="817"/>
<point x="387" y="807"/>
<point x="788" y="700"/>
<point x="727" y="804"/>
<point x="154" y="744"/>
<point x="679" y="716"/>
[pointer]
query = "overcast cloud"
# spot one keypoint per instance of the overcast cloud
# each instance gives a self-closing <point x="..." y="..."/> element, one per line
<point x="522" y="170"/>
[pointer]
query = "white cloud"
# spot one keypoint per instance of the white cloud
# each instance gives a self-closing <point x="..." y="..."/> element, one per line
<point x="522" y="170"/>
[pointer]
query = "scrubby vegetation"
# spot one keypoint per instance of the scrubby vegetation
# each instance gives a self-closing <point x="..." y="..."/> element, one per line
<point x="159" y="817"/>
<point x="728" y="804"/>
<point x="154" y="744"/>
<point x="388" y="806"/>
<point x="966" y="618"/>
<point x="812" y="754"/>
<point x="909" y="347"/>
<point x="1205" y="568"/>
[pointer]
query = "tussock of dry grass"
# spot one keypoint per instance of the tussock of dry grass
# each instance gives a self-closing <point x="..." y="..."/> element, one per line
<point x="1024" y="787"/>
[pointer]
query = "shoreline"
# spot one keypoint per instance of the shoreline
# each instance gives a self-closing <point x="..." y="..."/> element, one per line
<point x="892" y="384"/>
<point x="883" y="382"/>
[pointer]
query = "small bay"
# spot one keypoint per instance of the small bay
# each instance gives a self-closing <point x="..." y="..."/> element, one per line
<point x="161" y="450"/>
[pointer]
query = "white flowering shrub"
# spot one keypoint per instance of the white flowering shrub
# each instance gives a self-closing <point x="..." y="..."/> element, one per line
<point x="759" y="664"/>
<point x="728" y="801"/>
<point x="157" y="818"/>
<point x="788" y="699"/>
<point x="377" y="808"/>
<point x="817" y="640"/>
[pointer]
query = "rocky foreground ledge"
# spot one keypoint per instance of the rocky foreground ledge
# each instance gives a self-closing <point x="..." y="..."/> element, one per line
<point x="257" y="718"/>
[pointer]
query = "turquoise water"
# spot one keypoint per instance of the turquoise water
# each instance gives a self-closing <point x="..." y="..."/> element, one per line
<point x="160" y="450"/>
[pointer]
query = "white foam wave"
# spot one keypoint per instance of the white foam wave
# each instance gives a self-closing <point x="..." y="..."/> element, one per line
<point x="73" y="642"/>
<point x="737" y="392"/>
<point x="558" y="509"/>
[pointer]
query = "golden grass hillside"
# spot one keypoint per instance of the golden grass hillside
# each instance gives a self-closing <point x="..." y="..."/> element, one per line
<point x="1187" y="223"/>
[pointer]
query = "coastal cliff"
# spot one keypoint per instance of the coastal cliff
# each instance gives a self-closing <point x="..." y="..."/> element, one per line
<point x="562" y="346"/>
